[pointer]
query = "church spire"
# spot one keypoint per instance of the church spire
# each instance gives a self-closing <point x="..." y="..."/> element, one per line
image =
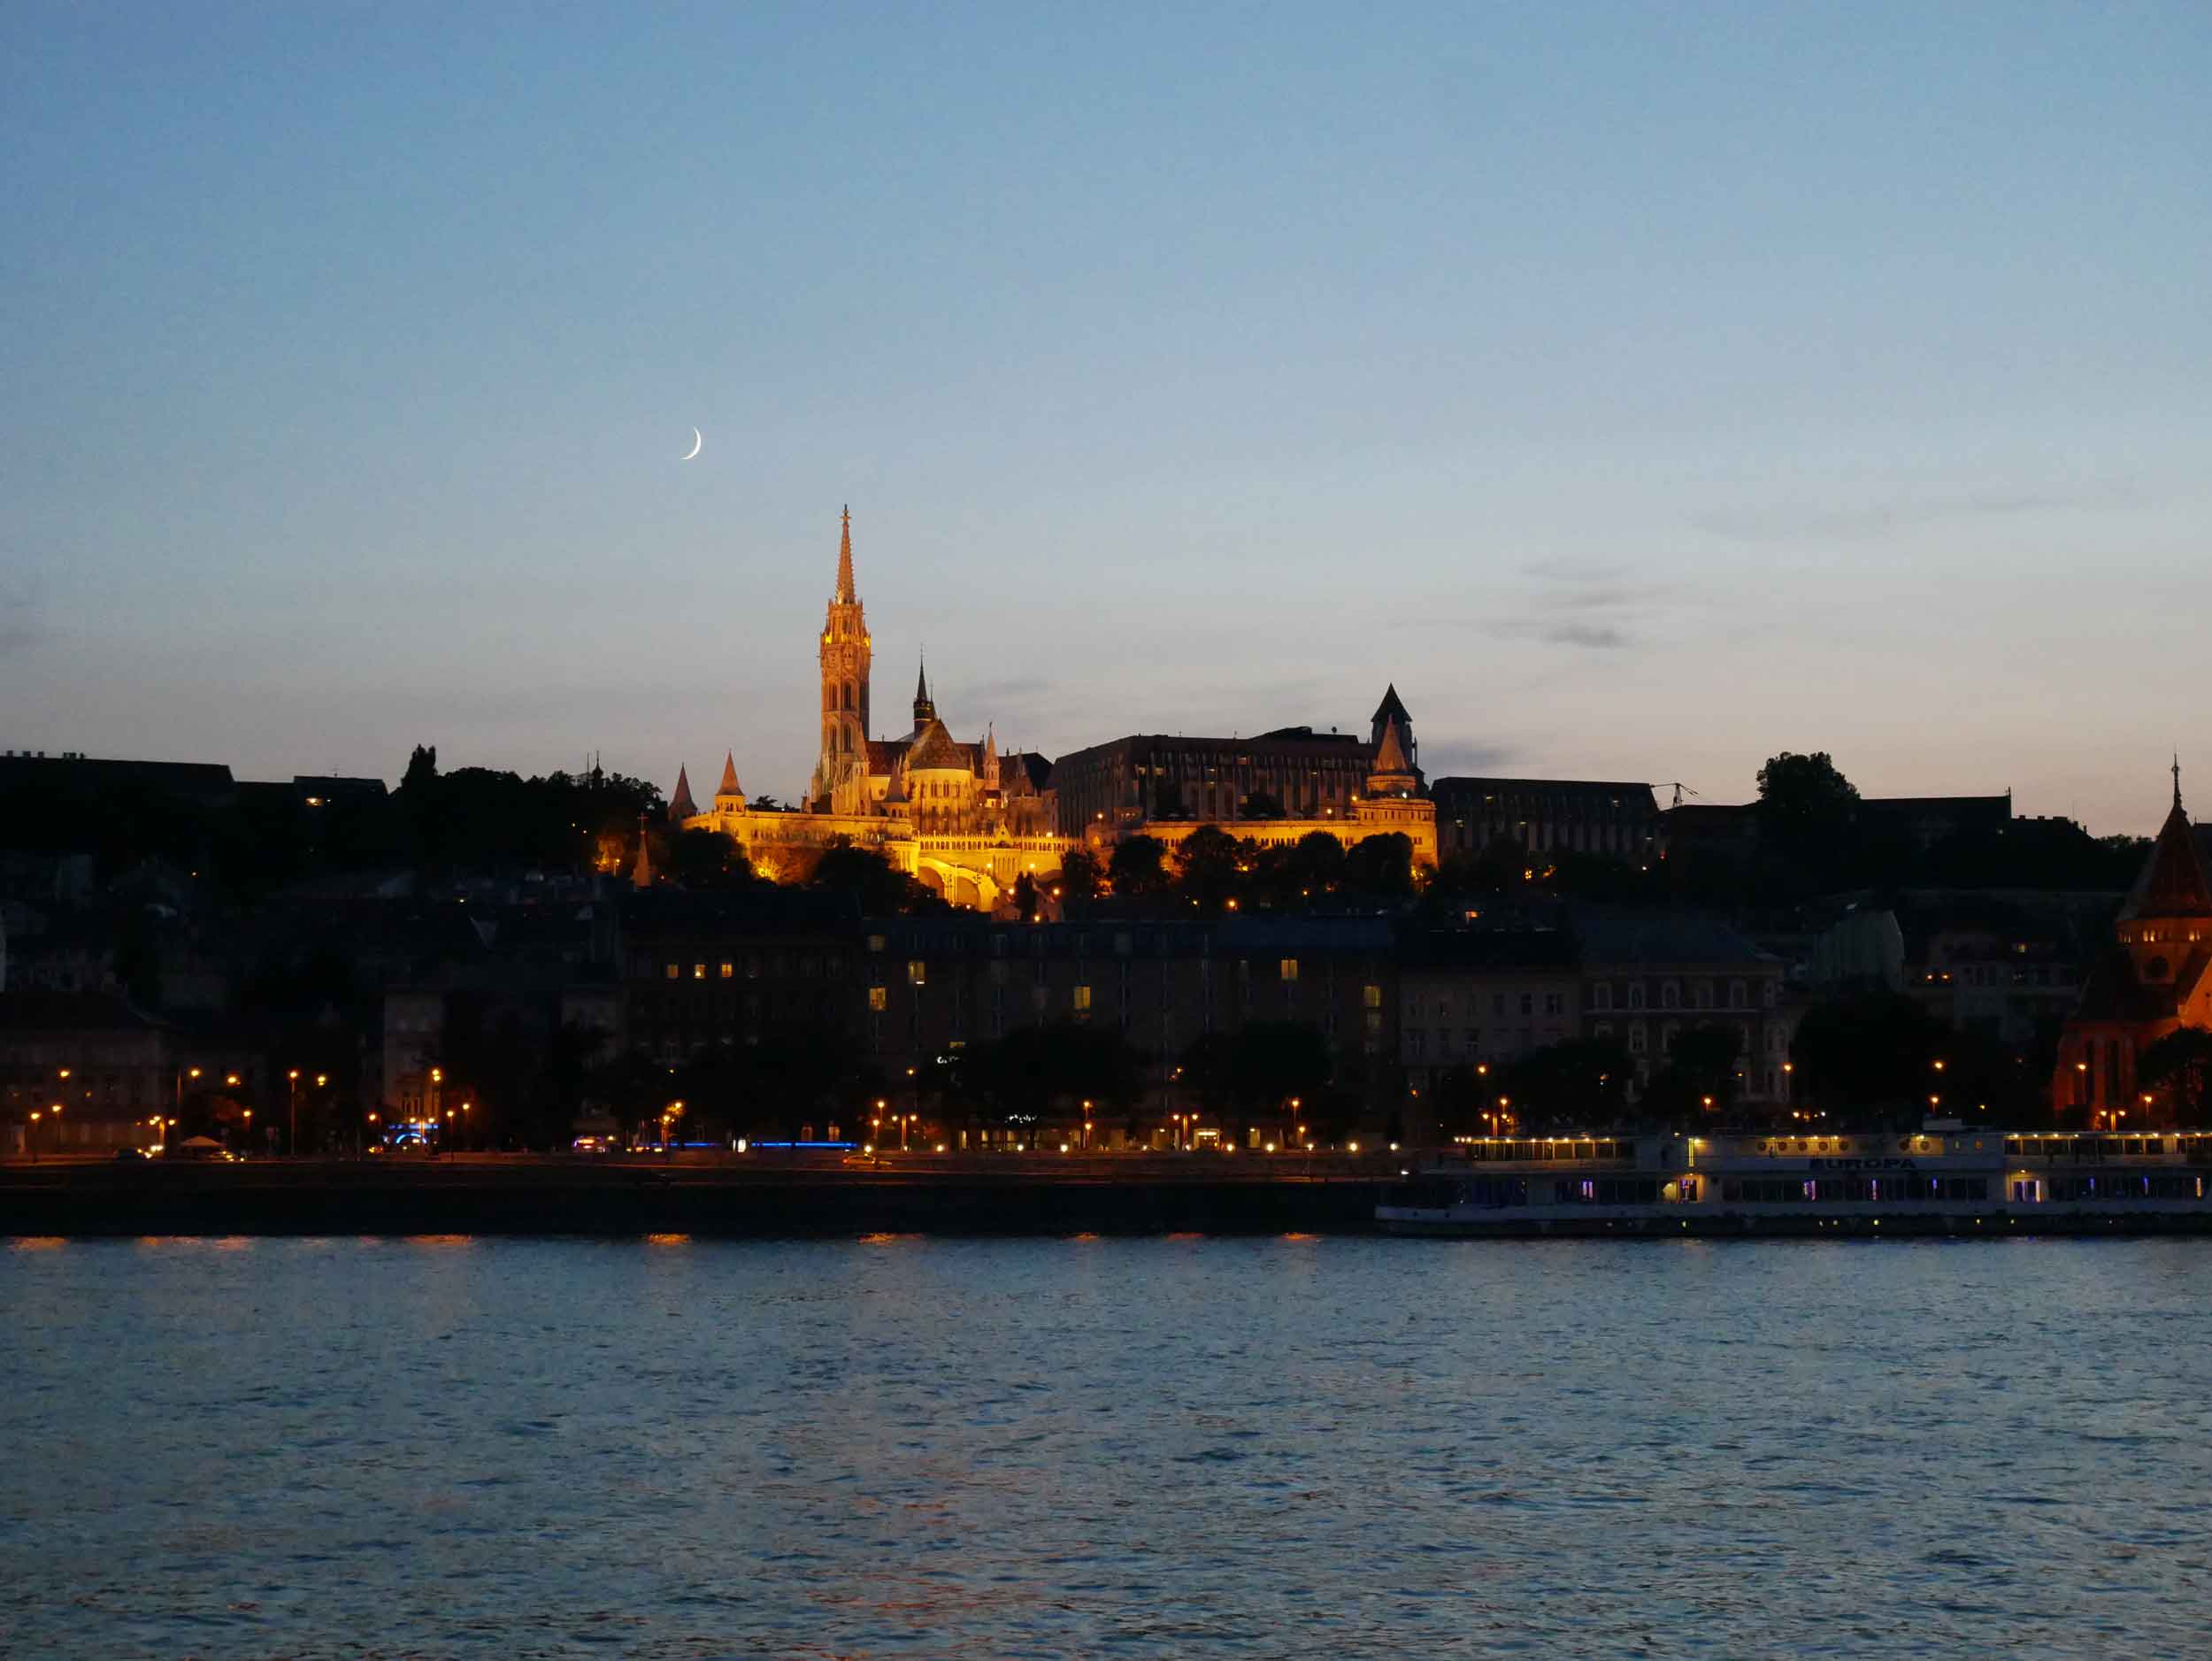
<point x="925" y="709"/>
<point x="2173" y="882"/>
<point x="845" y="593"/>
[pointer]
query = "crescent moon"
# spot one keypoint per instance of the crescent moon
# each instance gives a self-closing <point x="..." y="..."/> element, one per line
<point x="697" y="443"/>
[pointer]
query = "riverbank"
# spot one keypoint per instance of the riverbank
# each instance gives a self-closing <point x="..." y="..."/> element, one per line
<point x="620" y="1197"/>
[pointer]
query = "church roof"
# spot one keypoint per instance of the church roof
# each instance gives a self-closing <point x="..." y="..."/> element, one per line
<point x="1391" y="706"/>
<point x="2174" y="882"/>
<point x="680" y="803"/>
<point x="729" y="786"/>
<point x="935" y="748"/>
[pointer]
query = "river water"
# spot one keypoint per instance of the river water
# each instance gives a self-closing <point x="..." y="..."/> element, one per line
<point x="905" y="1447"/>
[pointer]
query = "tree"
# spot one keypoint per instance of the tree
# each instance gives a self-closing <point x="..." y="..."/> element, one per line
<point x="1080" y="879"/>
<point x="707" y="859"/>
<point x="1026" y="896"/>
<point x="1702" y="1074"/>
<point x="1806" y="808"/>
<point x="1867" y="1060"/>
<point x="1576" y="1085"/>
<point x="1137" y="866"/>
<point x="1380" y="865"/>
<point x="1296" y="876"/>
<point x="1207" y="866"/>
<point x="2181" y="1065"/>
<point x="1257" y="1071"/>
<point x="877" y="887"/>
<point x="1026" y="1074"/>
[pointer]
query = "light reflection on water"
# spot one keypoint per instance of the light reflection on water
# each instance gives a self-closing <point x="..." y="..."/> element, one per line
<point x="986" y="1449"/>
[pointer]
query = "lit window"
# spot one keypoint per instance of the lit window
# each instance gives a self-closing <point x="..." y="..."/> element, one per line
<point x="1371" y="996"/>
<point x="1289" y="969"/>
<point x="675" y="971"/>
<point x="1082" y="998"/>
<point x="916" y="972"/>
<point x="879" y="998"/>
<point x="729" y="971"/>
<point x="698" y="972"/>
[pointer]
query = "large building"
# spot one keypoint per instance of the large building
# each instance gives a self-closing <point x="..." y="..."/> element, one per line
<point x="2155" y="978"/>
<point x="1545" y="816"/>
<point x="959" y="815"/>
<point x="1274" y="788"/>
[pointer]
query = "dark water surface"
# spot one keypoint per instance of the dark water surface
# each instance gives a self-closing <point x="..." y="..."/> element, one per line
<point x="903" y="1447"/>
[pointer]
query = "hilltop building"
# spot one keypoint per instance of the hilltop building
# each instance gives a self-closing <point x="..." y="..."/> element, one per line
<point x="1299" y="780"/>
<point x="1547" y="816"/>
<point x="960" y="816"/>
<point x="2155" y="978"/>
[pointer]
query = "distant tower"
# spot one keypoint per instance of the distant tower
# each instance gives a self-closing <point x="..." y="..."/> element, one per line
<point x="925" y="706"/>
<point x="681" y="806"/>
<point x="1391" y="709"/>
<point x="840" y="779"/>
<point x="641" y="875"/>
<point x="729" y="795"/>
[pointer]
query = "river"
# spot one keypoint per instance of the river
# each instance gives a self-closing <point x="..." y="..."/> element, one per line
<point x="1177" y="1447"/>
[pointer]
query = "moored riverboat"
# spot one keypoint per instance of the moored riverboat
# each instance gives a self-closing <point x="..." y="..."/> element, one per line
<point x="1946" y="1178"/>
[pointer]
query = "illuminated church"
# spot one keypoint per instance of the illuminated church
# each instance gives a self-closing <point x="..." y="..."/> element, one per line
<point x="959" y="815"/>
<point x="968" y="819"/>
<point x="2155" y="978"/>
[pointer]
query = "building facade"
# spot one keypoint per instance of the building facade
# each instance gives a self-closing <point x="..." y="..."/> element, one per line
<point x="2154" y="979"/>
<point x="1331" y="782"/>
<point x="1547" y="816"/>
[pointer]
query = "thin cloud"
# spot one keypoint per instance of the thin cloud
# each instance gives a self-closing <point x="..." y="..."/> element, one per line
<point x="1589" y="605"/>
<point x="1594" y="636"/>
<point x="1810" y="521"/>
<point x="1459" y="759"/>
<point x="21" y="625"/>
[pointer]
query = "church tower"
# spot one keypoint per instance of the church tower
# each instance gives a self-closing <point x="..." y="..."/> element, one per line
<point x="840" y="779"/>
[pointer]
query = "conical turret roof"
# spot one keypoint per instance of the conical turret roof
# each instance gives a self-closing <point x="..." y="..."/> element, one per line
<point x="729" y="786"/>
<point x="1391" y="707"/>
<point x="2174" y="882"/>
<point x="681" y="806"/>
<point x="1390" y="754"/>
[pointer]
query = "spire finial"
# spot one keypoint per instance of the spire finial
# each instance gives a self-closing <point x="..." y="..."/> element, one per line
<point x="845" y="593"/>
<point x="2176" y="781"/>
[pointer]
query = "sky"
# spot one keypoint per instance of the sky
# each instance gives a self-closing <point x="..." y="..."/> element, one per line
<point x="1644" y="389"/>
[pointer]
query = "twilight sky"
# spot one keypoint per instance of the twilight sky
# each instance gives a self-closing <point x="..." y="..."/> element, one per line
<point x="1643" y="388"/>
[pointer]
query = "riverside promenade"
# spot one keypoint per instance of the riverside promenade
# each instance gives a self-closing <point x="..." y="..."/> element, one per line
<point x="763" y="1195"/>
